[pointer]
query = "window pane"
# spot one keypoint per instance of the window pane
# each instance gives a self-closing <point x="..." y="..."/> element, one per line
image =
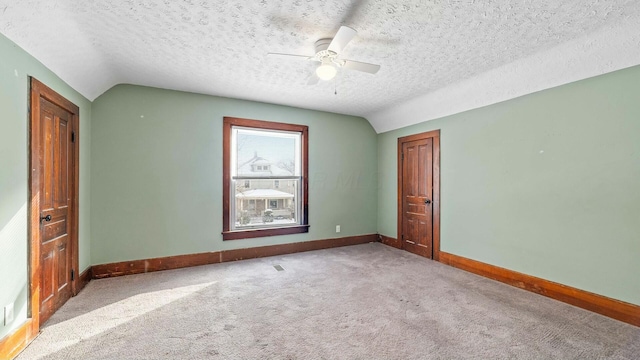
<point x="261" y="205"/>
<point x="264" y="178"/>
<point x="265" y="153"/>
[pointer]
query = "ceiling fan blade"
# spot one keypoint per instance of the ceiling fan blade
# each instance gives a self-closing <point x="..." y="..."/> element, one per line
<point x="342" y="38"/>
<point x="313" y="79"/>
<point x="291" y="56"/>
<point x="360" y="66"/>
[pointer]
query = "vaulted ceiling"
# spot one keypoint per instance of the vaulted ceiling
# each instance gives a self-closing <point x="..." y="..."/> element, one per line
<point x="437" y="57"/>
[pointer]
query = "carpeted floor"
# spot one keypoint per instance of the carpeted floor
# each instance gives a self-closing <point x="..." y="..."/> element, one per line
<point x="359" y="302"/>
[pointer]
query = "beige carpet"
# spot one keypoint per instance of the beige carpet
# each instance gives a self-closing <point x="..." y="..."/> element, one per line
<point x="360" y="302"/>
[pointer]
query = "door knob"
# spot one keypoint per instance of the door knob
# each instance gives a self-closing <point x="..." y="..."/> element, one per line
<point x="427" y="201"/>
<point x="45" y="218"/>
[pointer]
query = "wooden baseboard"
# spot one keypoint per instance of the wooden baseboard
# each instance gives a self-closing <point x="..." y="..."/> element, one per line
<point x="273" y="250"/>
<point x="603" y="305"/>
<point x="181" y="261"/>
<point x="155" y="264"/>
<point x="12" y="344"/>
<point x="393" y="242"/>
<point x="84" y="278"/>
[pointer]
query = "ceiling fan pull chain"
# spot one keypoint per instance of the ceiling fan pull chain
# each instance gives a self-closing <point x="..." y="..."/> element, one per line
<point x="335" y="84"/>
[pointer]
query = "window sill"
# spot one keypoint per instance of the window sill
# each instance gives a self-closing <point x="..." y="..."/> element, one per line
<point x="249" y="234"/>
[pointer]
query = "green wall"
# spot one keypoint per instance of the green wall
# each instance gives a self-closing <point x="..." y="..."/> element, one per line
<point x="15" y="67"/>
<point x="547" y="184"/>
<point x="157" y="173"/>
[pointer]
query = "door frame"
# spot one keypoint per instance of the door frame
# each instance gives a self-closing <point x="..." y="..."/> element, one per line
<point x="435" y="135"/>
<point x="39" y="90"/>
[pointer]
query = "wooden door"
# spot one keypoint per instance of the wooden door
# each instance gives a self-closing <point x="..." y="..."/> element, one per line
<point x="55" y="190"/>
<point x="419" y="193"/>
<point x="417" y="197"/>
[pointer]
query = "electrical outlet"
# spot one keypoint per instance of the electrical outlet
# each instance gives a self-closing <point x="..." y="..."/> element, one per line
<point x="337" y="228"/>
<point x="8" y="314"/>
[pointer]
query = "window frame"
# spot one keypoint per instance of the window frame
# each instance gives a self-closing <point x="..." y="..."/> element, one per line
<point x="303" y="227"/>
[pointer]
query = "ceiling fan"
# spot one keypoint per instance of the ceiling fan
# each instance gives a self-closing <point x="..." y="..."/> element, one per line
<point x="328" y="55"/>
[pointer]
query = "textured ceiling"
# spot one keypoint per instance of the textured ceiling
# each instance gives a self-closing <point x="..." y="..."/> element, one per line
<point x="437" y="57"/>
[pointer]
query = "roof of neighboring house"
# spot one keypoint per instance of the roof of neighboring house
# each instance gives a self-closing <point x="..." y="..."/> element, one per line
<point x="246" y="168"/>
<point x="264" y="194"/>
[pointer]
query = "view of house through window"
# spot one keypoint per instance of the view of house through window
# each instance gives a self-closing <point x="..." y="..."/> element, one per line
<point x="265" y="178"/>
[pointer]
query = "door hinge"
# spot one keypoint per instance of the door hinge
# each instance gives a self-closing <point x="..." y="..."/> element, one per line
<point x="402" y="156"/>
<point x="402" y="237"/>
<point x="73" y="136"/>
<point x="73" y="274"/>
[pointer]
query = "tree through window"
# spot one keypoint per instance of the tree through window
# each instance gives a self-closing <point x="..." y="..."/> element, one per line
<point x="272" y="159"/>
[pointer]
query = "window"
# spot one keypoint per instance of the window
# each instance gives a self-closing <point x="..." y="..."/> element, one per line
<point x="257" y="156"/>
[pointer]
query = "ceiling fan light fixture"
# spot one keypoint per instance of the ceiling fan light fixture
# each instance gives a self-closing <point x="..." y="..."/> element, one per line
<point x="326" y="71"/>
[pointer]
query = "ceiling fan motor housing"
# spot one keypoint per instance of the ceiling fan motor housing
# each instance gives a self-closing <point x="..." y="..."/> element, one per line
<point x="322" y="45"/>
<point x="327" y="54"/>
<point x="323" y="54"/>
